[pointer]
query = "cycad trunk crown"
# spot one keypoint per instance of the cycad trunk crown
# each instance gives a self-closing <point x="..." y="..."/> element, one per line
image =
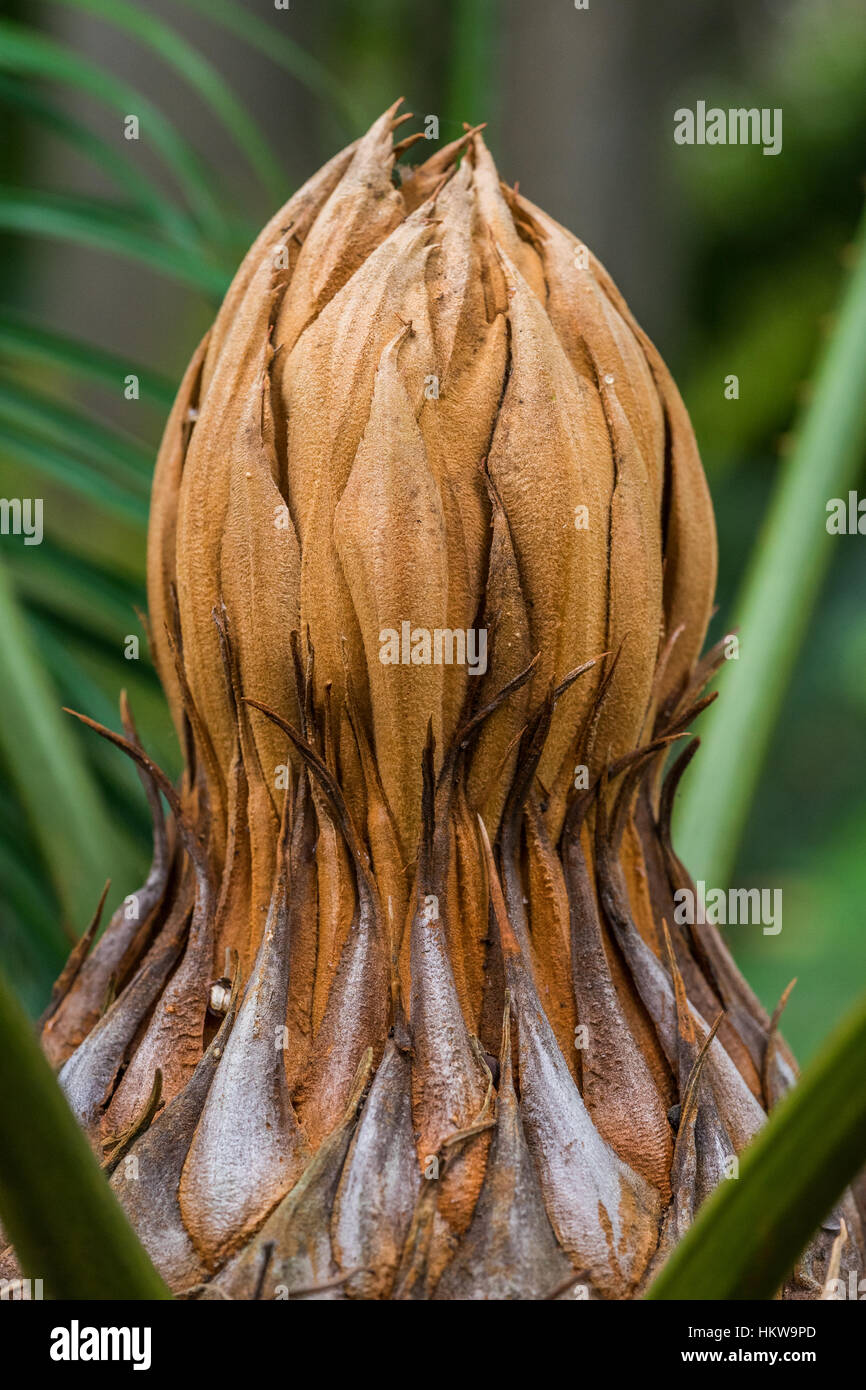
<point x="432" y="558"/>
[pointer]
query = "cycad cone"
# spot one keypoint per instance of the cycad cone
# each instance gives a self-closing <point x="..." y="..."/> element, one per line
<point x="465" y="1054"/>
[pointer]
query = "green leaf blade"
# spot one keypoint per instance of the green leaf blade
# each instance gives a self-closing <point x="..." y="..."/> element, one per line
<point x="107" y="228"/>
<point x="140" y="189"/>
<point x="202" y="77"/>
<point x="119" y="452"/>
<point x="749" y="1233"/>
<point x="78" y="841"/>
<point x="23" y="341"/>
<point x="285" y="52"/>
<point x="772" y="613"/>
<point x="62" y="1217"/>
<point x="84" y="481"/>
<point x="23" y="51"/>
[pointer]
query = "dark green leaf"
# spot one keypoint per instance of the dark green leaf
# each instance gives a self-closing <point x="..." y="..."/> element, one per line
<point x="64" y="1221"/>
<point x="73" y="473"/>
<point x="70" y="588"/>
<point x="284" y="51"/>
<point x="772" y="614"/>
<point x="120" y="168"/>
<point x="202" y="76"/>
<point x="107" y="228"/>
<point x="750" y="1232"/>
<point x="79" y="842"/>
<point x="472" y="94"/>
<point x="24" y="51"/>
<point x="25" y="891"/>
<point x="122" y="456"/>
<point x="29" y="342"/>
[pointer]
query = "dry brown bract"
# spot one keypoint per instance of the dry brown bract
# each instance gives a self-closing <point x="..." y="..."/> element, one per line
<point x="464" y="1056"/>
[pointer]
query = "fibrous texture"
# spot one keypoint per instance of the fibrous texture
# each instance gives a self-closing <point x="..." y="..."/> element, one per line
<point x="432" y="559"/>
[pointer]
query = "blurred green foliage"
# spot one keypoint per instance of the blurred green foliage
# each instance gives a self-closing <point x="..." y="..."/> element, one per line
<point x="768" y="261"/>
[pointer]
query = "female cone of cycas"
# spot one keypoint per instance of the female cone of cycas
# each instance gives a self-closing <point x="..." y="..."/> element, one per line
<point x="403" y="1009"/>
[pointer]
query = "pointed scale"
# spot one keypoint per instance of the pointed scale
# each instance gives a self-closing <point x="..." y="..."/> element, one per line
<point x="214" y="491"/>
<point x="700" y="1154"/>
<point x="604" y="1214"/>
<point x="449" y="1086"/>
<point x="294" y="1248"/>
<point x="739" y="1110"/>
<point x="296" y="217"/>
<point x="541" y="931"/>
<point x="146" y="1181"/>
<point x="336" y="904"/>
<point x="616" y="1083"/>
<point x="509" y="642"/>
<point x="552" y="466"/>
<point x="239" y="341"/>
<point x="248" y="1148"/>
<point x="754" y="1028"/>
<point x="466" y="907"/>
<point x="391" y="492"/>
<point x="356" y="1016"/>
<point x="303" y="944"/>
<point x="362" y="209"/>
<point x="469" y="356"/>
<point x="88" y="1076"/>
<point x="550" y="928"/>
<point x="379" y="1183"/>
<point x="327" y="387"/>
<point x="709" y="973"/>
<point x="690" y="547"/>
<point x="388" y="865"/>
<point x="162" y="531"/>
<point x="173" y="1040"/>
<point x="713" y="1148"/>
<point x="596" y="337"/>
<point x="496" y="215"/>
<point x="510" y="1250"/>
<point x="79" y="1010"/>
<point x="635" y="587"/>
<point x="260" y="576"/>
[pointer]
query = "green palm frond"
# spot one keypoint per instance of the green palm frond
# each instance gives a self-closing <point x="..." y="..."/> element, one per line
<point x="290" y="56"/>
<point x="17" y="95"/>
<point x="112" y="228"/>
<point x="780" y="591"/>
<point x="62" y="803"/>
<point x="201" y="76"/>
<point x="24" y="52"/>
<point x="24" y="343"/>
<point x="54" y="1199"/>
<point x="749" y="1233"/>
